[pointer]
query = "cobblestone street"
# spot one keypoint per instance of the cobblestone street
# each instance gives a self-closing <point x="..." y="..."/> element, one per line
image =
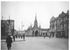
<point x="38" y="43"/>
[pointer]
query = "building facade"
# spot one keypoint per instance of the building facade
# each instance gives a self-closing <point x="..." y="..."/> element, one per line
<point x="53" y="26"/>
<point x="7" y="27"/>
<point x="59" y="26"/>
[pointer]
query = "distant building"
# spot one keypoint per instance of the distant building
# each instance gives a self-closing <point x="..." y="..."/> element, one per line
<point x="35" y="30"/>
<point x="11" y="26"/>
<point x="59" y="26"/>
<point x="7" y="26"/>
<point x="4" y="27"/>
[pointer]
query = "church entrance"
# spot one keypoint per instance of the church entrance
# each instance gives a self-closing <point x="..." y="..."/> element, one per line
<point x="36" y="33"/>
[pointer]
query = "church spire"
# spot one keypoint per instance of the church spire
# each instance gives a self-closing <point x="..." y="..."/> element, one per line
<point x="35" y="16"/>
<point x="35" y="22"/>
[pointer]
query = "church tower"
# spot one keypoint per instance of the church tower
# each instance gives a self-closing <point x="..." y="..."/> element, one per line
<point x="35" y="28"/>
<point x="35" y="22"/>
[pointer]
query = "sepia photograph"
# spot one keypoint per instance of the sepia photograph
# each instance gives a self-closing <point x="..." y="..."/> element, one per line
<point x="35" y="25"/>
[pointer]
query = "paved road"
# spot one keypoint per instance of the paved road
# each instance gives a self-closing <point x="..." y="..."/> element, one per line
<point x="38" y="43"/>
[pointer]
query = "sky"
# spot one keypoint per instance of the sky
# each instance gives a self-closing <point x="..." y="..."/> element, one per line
<point x="24" y="12"/>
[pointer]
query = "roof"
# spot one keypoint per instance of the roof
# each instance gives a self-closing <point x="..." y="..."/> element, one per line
<point x="44" y="29"/>
<point x="52" y="19"/>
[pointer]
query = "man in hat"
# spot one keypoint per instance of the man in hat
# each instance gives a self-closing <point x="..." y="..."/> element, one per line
<point x="9" y="42"/>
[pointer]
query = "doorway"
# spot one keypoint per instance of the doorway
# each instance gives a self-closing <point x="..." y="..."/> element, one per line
<point x="36" y="33"/>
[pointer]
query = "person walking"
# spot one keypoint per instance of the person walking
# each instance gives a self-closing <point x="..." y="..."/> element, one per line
<point x="23" y="36"/>
<point x="9" y="42"/>
<point x="44" y="35"/>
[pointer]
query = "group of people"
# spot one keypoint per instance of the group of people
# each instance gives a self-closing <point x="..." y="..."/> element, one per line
<point x="9" y="40"/>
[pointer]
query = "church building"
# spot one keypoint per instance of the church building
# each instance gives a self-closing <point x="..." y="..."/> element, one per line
<point x="35" y="30"/>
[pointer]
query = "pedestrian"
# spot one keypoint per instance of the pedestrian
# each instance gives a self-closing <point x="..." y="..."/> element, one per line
<point x="9" y="42"/>
<point x="49" y="36"/>
<point x="23" y="36"/>
<point x="44" y="35"/>
<point x="14" y="37"/>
